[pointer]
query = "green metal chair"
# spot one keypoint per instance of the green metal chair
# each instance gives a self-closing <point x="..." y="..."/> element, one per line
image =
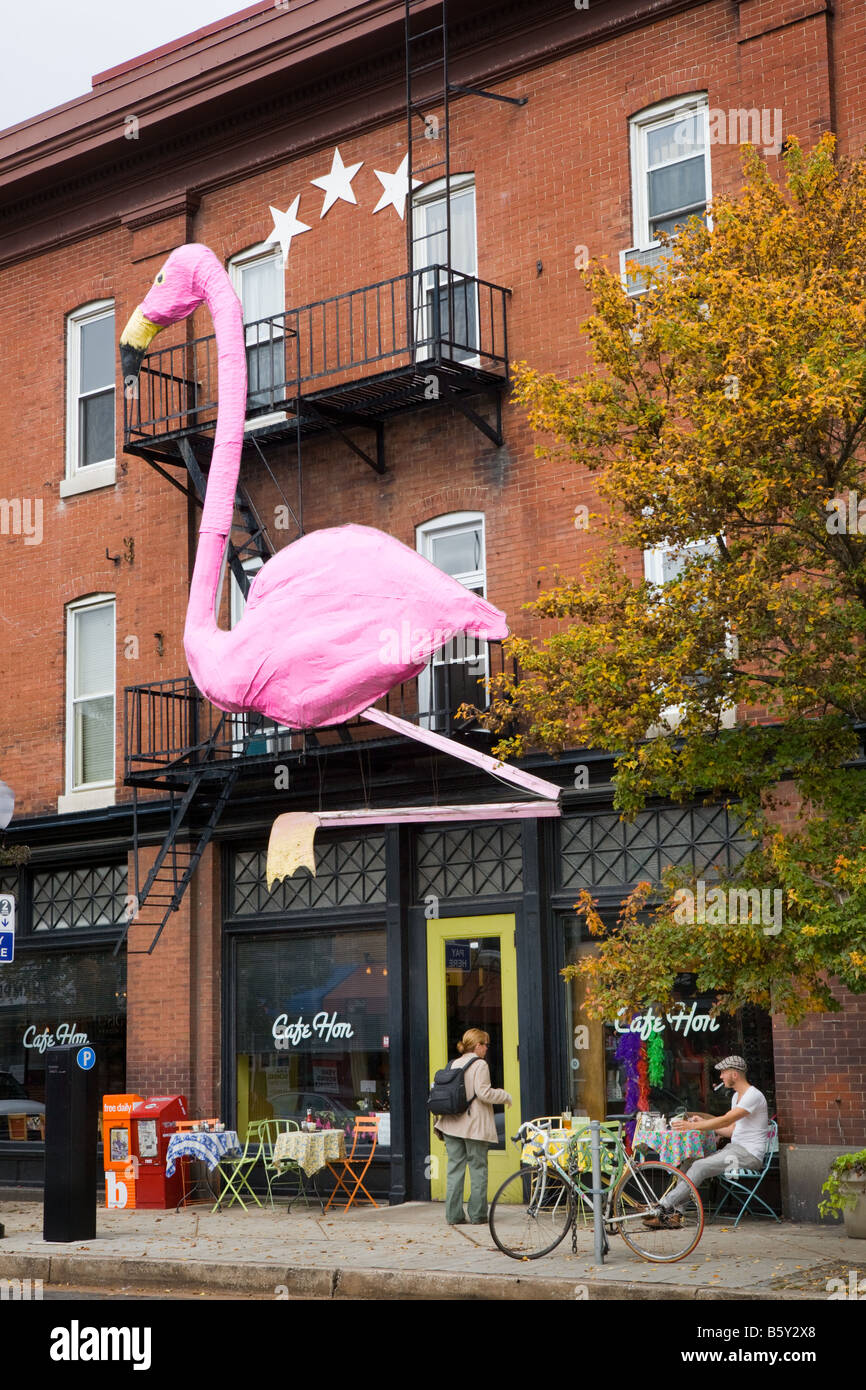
<point x="235" y="1171"/>
<point x="288" y="1168"/>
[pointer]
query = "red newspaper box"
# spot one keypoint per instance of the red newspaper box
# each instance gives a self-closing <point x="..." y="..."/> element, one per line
<point x="153" y="1124"/>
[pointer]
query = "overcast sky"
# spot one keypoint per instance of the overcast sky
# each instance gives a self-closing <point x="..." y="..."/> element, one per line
<point x="50" y="49"/>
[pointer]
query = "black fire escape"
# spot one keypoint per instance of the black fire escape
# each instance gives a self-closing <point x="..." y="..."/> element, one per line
<point x="432" y="336"/>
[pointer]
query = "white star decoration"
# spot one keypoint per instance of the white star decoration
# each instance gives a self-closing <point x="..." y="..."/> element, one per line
<point x="338" y="183"/>
<point x="286" y="226"/>
<point x="395" y="187"/>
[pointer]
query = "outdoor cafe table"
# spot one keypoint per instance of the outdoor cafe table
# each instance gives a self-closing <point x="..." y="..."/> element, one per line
<point x="207" y="1146"/>
<point x="312" y="1150"/>
<point x="676" y="1145"/>
<point x="203" y="1146"/>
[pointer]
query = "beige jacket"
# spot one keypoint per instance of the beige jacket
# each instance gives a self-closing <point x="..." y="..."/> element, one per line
<point x="477" y="1122"/>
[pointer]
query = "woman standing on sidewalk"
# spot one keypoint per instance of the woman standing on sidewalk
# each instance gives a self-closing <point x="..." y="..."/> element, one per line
<point x="468" y="1137"/>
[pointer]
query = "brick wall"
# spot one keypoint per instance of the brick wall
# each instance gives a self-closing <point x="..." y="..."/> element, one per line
<point x="821" y="1076"/>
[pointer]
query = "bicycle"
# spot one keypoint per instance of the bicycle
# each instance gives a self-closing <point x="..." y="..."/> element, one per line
<point x="535" y="1207"/>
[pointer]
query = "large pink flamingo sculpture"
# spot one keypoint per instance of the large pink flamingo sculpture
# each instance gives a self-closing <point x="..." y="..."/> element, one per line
<point x="315" y="643"/>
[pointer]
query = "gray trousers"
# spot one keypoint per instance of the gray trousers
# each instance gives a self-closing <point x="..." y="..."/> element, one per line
<point x="699" y="1169"/>
<point x="460" y="1153"/>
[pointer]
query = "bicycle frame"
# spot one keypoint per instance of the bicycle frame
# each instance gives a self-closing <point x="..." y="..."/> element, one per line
<point x="583" y="1198"/>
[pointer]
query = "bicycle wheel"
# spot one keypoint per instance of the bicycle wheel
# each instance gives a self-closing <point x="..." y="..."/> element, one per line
<point x="636" y="1202"/>
<point x="530" y="1213"/>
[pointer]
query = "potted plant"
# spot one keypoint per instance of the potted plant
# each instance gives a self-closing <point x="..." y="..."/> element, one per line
<point x="846" y="1192"/>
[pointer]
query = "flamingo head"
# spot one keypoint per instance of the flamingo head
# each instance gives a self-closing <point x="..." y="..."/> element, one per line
<point x="179" y="287"/>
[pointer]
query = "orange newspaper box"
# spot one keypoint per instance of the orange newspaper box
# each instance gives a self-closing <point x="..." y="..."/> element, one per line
<point x="117" y="1150"/>
<point x="154" y="1121"/>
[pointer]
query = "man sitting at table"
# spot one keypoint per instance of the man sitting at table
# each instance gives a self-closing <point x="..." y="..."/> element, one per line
<point x="745" y="1126"/>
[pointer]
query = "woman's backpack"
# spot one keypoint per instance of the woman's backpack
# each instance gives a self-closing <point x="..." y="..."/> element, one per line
<point x="448" y="1092"/>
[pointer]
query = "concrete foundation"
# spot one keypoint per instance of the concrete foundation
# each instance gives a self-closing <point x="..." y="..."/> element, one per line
<point x="804" y="1169"/>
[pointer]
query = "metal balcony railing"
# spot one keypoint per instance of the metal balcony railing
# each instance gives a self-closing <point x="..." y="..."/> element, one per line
<point x="434" y="318"/>
<point x="171" y="729"/>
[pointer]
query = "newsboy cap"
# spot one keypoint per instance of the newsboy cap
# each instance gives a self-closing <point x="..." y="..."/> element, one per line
<point x="738" y="1063"/>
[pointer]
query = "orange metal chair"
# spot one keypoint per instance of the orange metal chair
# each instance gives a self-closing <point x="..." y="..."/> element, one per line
<point x="365" y="1127"/>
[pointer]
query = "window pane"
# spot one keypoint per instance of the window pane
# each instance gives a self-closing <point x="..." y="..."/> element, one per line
<point x="458" y="553"/>
<point x="677" y="186"/>
<point x="94" y="741"/>
<point x="96" y="353"/>
<point x="94" y="651"/>
<point x="312" y="1028"/>
<point x="96" y="428"/>
<point x="262" y="294"/>
<point x="675" y="140"/>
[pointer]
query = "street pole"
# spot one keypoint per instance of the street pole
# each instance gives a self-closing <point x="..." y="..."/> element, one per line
<point x="597" y="1228"/>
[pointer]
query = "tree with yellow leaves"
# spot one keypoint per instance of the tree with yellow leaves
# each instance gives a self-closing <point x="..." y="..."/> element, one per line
<point x="724" y="416"/>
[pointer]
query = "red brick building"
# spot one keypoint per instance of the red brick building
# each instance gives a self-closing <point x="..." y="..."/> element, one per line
<point x="378" y="394"/>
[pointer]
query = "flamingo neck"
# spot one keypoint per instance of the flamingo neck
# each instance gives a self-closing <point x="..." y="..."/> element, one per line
<point x="219" y="503"/>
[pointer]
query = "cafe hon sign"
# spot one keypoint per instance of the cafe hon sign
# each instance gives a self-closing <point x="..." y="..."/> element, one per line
<point x="324" y="1026"/>
<point x="63" y="1036"/>
<point x="682" y="1021"/>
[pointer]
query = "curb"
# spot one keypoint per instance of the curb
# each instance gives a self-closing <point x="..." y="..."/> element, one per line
<point x="357" y="1284"/>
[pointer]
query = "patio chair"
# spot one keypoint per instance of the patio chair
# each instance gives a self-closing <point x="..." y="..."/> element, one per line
<point x="17" y="1127"/>
<point x="288" y="1167"/>
<point x="235" y="1171"/>
<point x="354" y="1168"/>
<point x="742" y="1184"/>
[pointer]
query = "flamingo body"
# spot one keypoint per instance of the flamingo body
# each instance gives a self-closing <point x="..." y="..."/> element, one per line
<point x="333" y="621"/>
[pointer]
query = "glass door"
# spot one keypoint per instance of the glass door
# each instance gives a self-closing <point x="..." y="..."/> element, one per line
<point x="472" y="983"/>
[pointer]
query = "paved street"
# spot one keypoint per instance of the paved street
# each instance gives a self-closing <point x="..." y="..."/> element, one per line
<point x="408" y="1252"/>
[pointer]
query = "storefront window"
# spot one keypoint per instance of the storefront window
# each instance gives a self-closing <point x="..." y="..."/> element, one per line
<point x="49" y="999"/>
<point x="312" y="1028"/>
<point x="688" y="1043"/>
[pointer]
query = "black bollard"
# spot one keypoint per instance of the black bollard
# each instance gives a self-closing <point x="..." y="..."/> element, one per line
<point x="69" y="1211"/>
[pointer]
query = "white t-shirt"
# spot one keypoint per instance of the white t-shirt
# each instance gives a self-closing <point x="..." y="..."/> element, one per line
<point x="751" y="1131"/>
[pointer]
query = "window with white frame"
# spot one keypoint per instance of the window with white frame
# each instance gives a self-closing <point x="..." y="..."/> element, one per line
<point x="457" y="296"/>
<point x="662" y="565"/>
<point x="457" y="671"/>
<point x="258" y="277"/>
<point x="670" y="174"/>
<point x="90" y="693"/>
<point x="275" y="738"/>
<point x="670" y="162"/>
<point x="90" y="425"/>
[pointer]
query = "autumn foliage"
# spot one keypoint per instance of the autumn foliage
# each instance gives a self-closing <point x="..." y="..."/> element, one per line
<point x="723" y="412"/>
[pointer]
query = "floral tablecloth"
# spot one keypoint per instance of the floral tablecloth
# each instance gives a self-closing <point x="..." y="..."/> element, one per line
<point x="676" y="1145"/>
<point x="312" y="1149"/>
<point x="558" y="1142"/>
<point x="208" y="1146"/>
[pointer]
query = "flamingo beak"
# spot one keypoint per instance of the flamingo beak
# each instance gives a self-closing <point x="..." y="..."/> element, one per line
<point x="134" y="342"/>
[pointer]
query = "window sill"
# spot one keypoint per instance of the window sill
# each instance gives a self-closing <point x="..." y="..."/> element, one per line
<point x="89" y="479"/>
<point x="93" y="799"/>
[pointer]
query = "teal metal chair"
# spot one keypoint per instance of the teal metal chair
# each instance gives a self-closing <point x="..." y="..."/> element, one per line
<point x="742" y="1184"/>
<point x="235" y="1172"/>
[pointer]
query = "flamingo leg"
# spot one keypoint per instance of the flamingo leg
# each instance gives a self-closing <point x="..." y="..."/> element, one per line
<point x="537" y="785"/>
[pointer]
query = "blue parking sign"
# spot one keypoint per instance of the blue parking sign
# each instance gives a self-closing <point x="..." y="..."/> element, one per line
<point x="7" y="947"/>
<point x="86" y="1057"/>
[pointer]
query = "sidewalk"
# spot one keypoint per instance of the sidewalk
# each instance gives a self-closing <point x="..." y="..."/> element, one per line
<point x="407" y="1252"/>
